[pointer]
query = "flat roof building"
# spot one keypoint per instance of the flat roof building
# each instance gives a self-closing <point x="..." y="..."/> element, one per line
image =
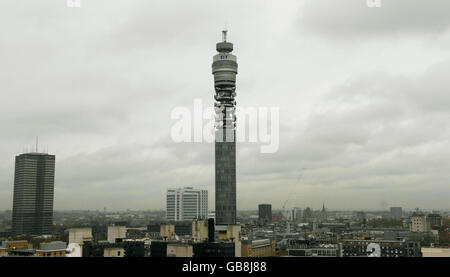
<point x="186" y="204"/>
<point x="396" y="212"/>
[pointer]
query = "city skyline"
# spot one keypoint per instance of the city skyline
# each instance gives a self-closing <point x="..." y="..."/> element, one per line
<point x="363" y="110"/>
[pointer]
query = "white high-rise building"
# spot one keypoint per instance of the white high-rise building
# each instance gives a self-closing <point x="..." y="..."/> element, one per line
<point x="187" y="204"/>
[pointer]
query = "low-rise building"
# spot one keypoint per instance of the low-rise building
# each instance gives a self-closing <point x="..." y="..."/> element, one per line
<point x="80" y="235"/>
<point x="118" y="249"/>
<point x="435" y="252"/>
<point x="200" y="230"/>
<point x="3" y="252"/>
<point x="167" y="231"/>
<point x="419" y="223"/>
<point x="179" y="250"/>
<point x="16" y="244"/>
<point x="380" y="248"/>
<point x="114" y="252"/>
<point x="434" y="220"/>
<point x="258" y="248"/>
<point x="52" y="249"/>
<point x="116" y="232"/>
<point x="233" y="234"/>
<point x="214" y="249"/>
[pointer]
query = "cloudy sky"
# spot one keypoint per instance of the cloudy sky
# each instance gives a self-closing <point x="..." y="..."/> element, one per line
<point x="363" y="95"/>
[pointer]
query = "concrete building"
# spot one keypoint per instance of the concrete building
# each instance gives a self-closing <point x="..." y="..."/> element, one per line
<point x="320" y="250"/>
<point x="265" y="213"/>
<point x="419" y="223"/>
<point x="16" y="244"/>
<point x="80" y="235"/>
<point x="200" y="230"/>
<point x="167" y="231"/>
<point x="115" y="252"/>
<point x="296" y="214"/>
<point x="183" y="229"/>
<point x="385" y="248"/>
<point x="180" y="250"/>
<point x="212" y="215"/>
<point x="224" y="69"/>
<point x="3" y="252"/>
<point x="187" y="204"/>
<point x="34" y="182"/>
<point x="52" y="249"/>
<point x="202" y="249"/>
<point x="435" y="252"/>
<point x="434" y="220"/>
<point x="233" y="234"/>
<point x="16" y="248"/>
<point x="258" y="248"/>
<point x="215" y="249"/>
<point x="396" y="212"/>
<point x="116" y="232"/>
<point x="119" y="249"/>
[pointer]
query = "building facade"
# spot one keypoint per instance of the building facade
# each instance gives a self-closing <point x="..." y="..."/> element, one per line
<point x="258" y="248"/>
<point x="52" y="249"/>
<point x="34" y="182"/>
<point x="396" y="212"/>
<point x="187" y="204"/>
<point x="419" y="223"/>
<point x="435" y="252"/>
<point x="116" y="232"/>
<point x="434" y="220"/>
<point x="80" y="235"/>
<point x="384" y="248"/>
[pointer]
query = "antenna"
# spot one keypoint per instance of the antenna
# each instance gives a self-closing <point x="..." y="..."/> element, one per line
<point x="224" y="35"/>
<point x="37" y="142"/>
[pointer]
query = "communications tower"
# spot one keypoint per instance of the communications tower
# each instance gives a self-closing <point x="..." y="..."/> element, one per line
<point x="224" y="69"/>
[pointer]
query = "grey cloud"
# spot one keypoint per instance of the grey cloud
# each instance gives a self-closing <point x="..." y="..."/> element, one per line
<point x="353" y="18"/>
<point x="98" y="85"/>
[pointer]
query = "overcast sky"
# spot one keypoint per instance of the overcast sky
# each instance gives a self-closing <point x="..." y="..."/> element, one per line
<point x="363" y="95"/>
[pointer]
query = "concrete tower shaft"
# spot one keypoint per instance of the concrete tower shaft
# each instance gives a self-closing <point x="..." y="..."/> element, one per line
<point x="224" y="69"/>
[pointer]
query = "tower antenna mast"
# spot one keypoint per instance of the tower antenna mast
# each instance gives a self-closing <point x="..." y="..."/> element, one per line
<point x="224" y="35"/>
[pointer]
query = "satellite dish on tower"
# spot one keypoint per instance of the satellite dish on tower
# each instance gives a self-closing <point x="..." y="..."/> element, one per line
<point x="374" y="250"/>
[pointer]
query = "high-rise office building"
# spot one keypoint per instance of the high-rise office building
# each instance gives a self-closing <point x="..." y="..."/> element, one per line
<point x="265" y="213"/>
<point x="435" y="220"/>
<point x="396" y="212"/>
<point x="34" y="183"/>
<point x="224" y="68"/>
<point x="296" y="214"/>
<point x="187" y="204"/>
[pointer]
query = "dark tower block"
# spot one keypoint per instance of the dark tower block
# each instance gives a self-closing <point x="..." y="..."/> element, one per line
<point x="224" y="68"/>
<point x="34" y="182"/>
